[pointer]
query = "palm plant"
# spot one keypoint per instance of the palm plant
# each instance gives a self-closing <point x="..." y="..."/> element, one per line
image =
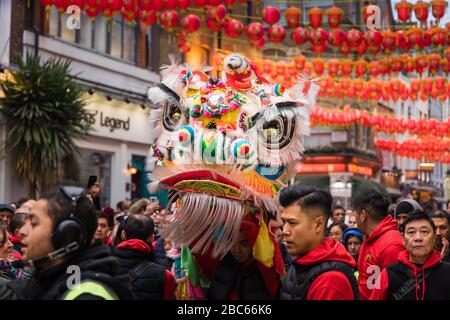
<point x="43" y="110"/>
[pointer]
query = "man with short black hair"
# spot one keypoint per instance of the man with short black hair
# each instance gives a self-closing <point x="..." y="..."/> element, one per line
<point x="6" y="213"/>
<point x="322" y="268"/>
<point x="441" y="220"/>
<point x="382" y="243"/>
<point x="101" y="235"/>
<point x="419" y="274"/>
<point x="148" y="280"/>
<point x="338" y="215"/>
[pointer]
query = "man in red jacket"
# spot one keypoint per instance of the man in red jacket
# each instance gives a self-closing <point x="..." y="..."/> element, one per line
<point x="419" y="274"/>
<point x="382" y="243"/>
<point x="322" y="268"/>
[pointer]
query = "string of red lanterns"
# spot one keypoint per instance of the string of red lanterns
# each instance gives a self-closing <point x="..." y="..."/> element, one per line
<point x="380" y="123"/>
<point x="167" y="14"/>
<point x="433" y="63"/>
<point x="431" y="149"/>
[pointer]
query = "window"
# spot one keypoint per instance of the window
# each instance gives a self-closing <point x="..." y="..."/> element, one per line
<point x="116" y="37"/>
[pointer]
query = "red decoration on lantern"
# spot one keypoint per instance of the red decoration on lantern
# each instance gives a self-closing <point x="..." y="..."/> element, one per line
<point x="293" y="16"/>
<point x="233" y="28"/>
<point x="438" y="8"/>
<point x="415" y="36"/>
<point x="255" y="31"/>
<point x="169" y="19"/>
<point x="434" y="62"/>
<point x="300" y="36"/>
<point x="345" y="48"/>
<point x="438" y="36"/>
<point x="396" y="64"/>
<point x="191" y="23"/>
<point x="333" y="67"/>
<point x="319" y="66"/>
<point x="145" y="5"/>
<point x="401" y="41"/>
<point x="445" y="65"/>
<point x="346" y="67"/>
<point x="277" y="33"/>
<point x="404" y="9"/>
<point x="259" y="43"/>
<point x="362" y="48"/>
<point x="299" y="62"/>
<point x="129" y="16"/>
<point x="421" y="11"/>
<point x="315" y="17"/>
<point x="354" y="38"/>
<point x="319" y="36"/>
<point x="337" y="37"/>
<point x="213" y="2"/>
<point x="183" y="4"/>
<point x="128" y="5"/>
<point x="361" y="67"/>
<point x="271" y="15"/>
<point x="92" y="9"/>
<point x="199" y="3"/>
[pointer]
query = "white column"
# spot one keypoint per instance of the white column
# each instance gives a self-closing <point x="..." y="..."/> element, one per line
<point x="119" y="175"/>
<point x="5" y="27"/>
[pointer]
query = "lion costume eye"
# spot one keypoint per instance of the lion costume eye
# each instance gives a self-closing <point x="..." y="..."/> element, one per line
<point x="171" y="117"/>
<point x="277" y="133"/>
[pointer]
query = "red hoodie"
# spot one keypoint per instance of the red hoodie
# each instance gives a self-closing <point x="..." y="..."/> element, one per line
<point x="380" y="249"/>
<point x="331" y="285"/>
<point x="382" y="292"/>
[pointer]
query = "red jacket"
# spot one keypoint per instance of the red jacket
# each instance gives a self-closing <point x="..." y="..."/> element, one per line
<point x="331" y="285"/>
<point x="382" y="292"/>
<point x="380" y="249"/>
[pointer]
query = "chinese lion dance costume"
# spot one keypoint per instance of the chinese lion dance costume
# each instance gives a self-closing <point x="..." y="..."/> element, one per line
<point x="224" y="146"/>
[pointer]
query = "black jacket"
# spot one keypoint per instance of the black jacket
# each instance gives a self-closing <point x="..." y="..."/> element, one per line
<point x="230" y="276"/>
<point x="96" y="263"/>
<point x="147" y="284"/>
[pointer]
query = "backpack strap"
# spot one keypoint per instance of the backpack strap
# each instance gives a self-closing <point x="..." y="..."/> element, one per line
<point x="141" y="267"/>
<point x="410" y="284"/>
<point x="91" y="287"/>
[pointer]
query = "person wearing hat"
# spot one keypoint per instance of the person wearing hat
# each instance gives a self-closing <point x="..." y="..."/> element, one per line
<point x="353" y="239"/>
<point x="93" y="192"/>
<point x="403" y="208"/>
<point x="6" y="213"/>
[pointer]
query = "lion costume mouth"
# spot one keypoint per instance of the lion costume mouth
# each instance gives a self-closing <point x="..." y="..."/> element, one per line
<point x="225" y="151"/>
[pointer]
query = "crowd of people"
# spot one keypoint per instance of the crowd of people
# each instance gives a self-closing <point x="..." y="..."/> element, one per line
<point x="375" y="250"/>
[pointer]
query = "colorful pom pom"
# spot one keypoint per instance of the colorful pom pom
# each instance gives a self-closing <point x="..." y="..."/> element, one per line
<point x="186" y="135"/>
<point x="241" y="149"/>
<point x="278" y="90"/>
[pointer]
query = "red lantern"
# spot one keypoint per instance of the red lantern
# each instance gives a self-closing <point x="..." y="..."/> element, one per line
<point x="183" y="4"/>
<point x="271" y="15"/>
<point x="401" y="41"/>
<point x="233" y="28"/>
<point x="148" y="18"/>
<point x="318" y="47"/>
<point x="158" y="5"/>
<point x="169" y="4"/>
<point x="259" y="43"/>
<point x="421" y="63"/>
<point x="361" y="49"/>
<point x="345" y="48"/>
<point x="129" y="16"/>
<point x="384" y="66"/>
<point x="214" y="25"/>
<point x="255" y="31"/>
<point x="360" y="68"/>
<point x="47" y="3"/>
<point x="438" y="36"/>
<point x="110" y="7"/>
<point x="276" y="33"/>
<point x="415" y="36"/>
<point x="337" y="37"/>
<point x="373" y="38"/>
<point x="373" y="50"/>
<point x="421" y="11"/>
<point x="346" y="67"/>
<point x="217" y="13"/>
<point x="373" y="68"/>
<point x="92" y="9"/>
<point x="229" y="3"/>
<point x="334" y="15"/>
<point x="404" y="10"/>
<point x="319" y="66"/>
<point x="213" y="2"/>
<point x="319" y="36"/>
<point x="145" y="5"/>
<point x="293" y="16"/>
<point x="408" y="63"/>
<point x="299" y="62"/>
<point x="388" y="40"/>
<point x="447" y="54"/>
<point x="79" y="3"/>
<point x="354" y="38"/>
<point x="128" y="5"/>
<point x="438" y="8"/>
<point x="267" y="66"/>
<point x="300" y="36"/>
<point x="169" y="19"/>
<point x="191" y="23"/>
<point x="315" y="17"/>
<point x="445" y="66"/>
<point x="333" y="67"/>
<point x="396" y="64"/>
<point x="61" y="5"/>
<point x="199" y="3"/>
<point x="434" y="61"/>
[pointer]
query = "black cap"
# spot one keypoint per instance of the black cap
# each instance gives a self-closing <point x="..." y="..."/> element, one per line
<point x="6" y="207"/>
